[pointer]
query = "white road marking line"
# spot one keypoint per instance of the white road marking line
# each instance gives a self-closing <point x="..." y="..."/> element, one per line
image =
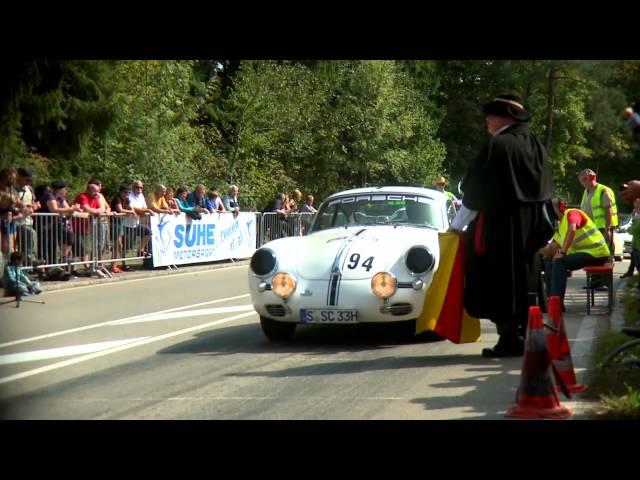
<point x="111" y="322"/>
<point x="120" y="282"/>
<point x="190" y="313"/>
<point x="333" y="397"/>
<point x="63" y="351"/>
<point x="146" y="341"/>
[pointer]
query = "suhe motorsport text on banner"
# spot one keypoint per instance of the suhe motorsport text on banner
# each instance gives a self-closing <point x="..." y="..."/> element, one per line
<point x="178" y="239"/>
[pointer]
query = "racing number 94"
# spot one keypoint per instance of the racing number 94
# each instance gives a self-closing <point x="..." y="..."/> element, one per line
<point x="354" y="259"/>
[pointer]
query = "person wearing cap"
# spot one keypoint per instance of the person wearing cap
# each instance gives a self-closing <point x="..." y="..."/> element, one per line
<point x="55" y="201"/>
<point x="599" y="202"/>
<point x="27" y="238"/>
<point x="505" y="191"/>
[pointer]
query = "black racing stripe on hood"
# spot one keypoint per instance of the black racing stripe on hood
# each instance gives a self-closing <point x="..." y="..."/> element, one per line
<point x="333" y="291"/>
<point x="333" y="288"/>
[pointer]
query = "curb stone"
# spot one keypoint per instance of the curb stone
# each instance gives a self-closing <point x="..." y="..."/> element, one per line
<point x="49" y="286"/>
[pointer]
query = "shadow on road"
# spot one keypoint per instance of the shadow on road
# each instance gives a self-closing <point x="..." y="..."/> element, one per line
<point x="316" y="339"/>
<point x="489" y="390"/>
<point x="483" y="388"/>
<point x="385" y="363"/>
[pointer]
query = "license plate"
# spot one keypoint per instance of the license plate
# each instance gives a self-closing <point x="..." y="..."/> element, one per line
<point x="318" y="315"/>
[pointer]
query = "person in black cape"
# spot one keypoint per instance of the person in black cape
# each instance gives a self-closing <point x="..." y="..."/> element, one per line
<point x="506" y="196"/>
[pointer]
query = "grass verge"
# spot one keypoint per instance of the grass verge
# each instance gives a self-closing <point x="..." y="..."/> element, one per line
<point x="617" y="386"/>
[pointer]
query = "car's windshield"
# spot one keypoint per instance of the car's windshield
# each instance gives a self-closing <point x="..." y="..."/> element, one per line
<point x="380" y="209"/>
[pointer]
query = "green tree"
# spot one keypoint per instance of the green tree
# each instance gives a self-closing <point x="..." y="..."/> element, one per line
<point x="155" y="135"/>
<point x="55" y="108"/>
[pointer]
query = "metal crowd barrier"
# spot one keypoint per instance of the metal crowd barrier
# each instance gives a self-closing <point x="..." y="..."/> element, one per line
<point x="273" y="226"/>
<point x="80" y="240"/>
<point x="93" y="243"/>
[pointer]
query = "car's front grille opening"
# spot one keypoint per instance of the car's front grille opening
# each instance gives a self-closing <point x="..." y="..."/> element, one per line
<point x="397" y="308"/>
<point x="276" y="310"/>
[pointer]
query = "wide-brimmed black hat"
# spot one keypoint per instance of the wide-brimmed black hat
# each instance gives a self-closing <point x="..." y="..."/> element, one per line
<point x="507" y="106"/>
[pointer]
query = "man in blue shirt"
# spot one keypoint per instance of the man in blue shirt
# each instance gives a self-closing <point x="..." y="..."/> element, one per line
<point x="198" y="199"/>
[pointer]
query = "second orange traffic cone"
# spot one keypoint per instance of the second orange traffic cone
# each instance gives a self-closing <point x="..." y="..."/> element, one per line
<point x="537" y="397"/>
<point x="559" y="349"/>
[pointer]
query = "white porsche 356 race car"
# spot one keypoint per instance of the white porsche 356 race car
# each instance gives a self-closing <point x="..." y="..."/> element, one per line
<point x="369" y="256"/>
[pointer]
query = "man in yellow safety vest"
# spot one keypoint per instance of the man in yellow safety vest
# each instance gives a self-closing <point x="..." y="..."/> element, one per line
<point x="576" y="244"/>
<point x="599" y="203"/>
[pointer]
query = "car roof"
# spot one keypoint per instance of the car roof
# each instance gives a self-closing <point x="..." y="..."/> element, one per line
<point x="430" y="192"/>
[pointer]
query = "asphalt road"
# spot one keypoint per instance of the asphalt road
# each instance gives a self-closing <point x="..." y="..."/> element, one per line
<point x="189" y="346"/>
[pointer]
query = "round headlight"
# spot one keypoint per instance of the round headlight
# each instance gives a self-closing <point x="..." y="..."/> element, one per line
<point x="419" y="260"/>
<point x="283" y="284"/>
<point x="383" y="284"/>
<point x="263" y="261"/>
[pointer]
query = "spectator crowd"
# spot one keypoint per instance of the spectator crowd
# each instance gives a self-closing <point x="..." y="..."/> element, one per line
<point x="56" y="233"/>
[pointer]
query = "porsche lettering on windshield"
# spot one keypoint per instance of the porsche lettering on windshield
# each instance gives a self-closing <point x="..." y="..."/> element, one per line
<point x="379" y="209"/>
<point x="379" y="198"/>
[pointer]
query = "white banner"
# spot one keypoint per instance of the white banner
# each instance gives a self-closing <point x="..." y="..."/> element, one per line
<point x="178" y="239"/>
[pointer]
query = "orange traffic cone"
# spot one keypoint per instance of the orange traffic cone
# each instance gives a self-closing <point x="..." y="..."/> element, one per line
<point x="559" y="349"/>
<point x="537" y="397"/>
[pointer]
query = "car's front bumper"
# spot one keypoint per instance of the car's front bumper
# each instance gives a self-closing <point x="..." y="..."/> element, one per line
<point x="405" y="304"/>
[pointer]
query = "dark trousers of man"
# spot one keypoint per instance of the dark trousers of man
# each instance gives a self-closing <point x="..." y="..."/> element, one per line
<point x="556" y="270"/>
<point x="27" y="242"/>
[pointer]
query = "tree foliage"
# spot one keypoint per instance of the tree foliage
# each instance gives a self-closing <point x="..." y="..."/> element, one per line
<point x="316" y="125"/>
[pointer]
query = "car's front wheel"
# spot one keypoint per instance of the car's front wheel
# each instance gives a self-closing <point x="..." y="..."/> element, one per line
<point x="275" y="330"/>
